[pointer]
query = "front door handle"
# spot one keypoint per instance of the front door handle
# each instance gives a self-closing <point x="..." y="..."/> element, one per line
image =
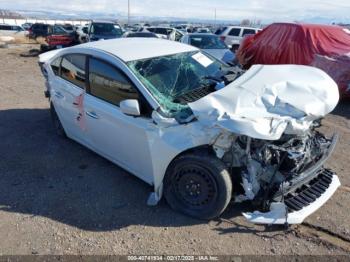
<point x="92" y="114"/>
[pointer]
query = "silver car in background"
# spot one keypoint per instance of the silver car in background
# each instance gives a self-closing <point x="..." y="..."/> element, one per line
<point x="210" y="44"/>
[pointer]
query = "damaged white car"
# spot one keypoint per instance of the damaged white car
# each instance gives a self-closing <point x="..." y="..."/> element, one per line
<point x="200" y="132"/>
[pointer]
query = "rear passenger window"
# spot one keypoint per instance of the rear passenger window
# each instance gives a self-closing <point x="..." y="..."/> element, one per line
<point x="55" y="66"/>
<point x="235" y="31"/>
<point x="73" y="69"/>
<point x="109" y="84"/>
<point x="248" y="32"/>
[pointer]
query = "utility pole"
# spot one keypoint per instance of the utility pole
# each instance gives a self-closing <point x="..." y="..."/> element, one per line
<point x="215" y="16"/>
<point x="128" y="12"/>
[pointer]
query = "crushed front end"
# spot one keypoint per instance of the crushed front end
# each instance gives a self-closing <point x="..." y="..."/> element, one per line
<point x="285" y="179"/>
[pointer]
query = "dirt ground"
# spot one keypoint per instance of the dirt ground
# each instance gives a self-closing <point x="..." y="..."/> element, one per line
<point x="57" y="197"/>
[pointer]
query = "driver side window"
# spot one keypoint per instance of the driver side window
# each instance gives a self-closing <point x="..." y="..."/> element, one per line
<point x="109" y="84"/>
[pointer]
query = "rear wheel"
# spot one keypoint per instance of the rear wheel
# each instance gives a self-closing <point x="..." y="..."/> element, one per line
<point x="56" y="122"/>
<point x="198" y="186"/>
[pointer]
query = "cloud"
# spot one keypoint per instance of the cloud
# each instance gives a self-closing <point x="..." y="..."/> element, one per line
<point x="268" y="10"/>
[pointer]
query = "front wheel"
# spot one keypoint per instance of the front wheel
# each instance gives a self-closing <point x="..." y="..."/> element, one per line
<point x="198" y="186"/>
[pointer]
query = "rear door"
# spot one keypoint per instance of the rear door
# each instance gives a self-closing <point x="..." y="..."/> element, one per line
<point x="233" y="37"/>
<point x="67" y="90"/>
<point x="119" y="137"/>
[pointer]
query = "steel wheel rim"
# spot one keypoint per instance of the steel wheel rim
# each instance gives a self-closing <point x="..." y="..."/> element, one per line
<point x="194" y="186"/>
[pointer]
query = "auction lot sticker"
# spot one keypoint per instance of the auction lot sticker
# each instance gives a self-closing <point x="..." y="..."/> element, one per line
<point x="202" y="59"/>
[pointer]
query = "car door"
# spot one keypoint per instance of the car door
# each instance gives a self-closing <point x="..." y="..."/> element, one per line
<point x="118" y="137"/>
<point x="66" y="90"/>
<point x="233" y="36"/>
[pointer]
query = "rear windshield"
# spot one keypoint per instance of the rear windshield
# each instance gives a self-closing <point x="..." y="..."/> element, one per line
<point x="220" y="30"/>
<point x="207" y="42"/>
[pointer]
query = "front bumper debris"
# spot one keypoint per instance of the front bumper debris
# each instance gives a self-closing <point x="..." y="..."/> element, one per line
<point x="299" y="204"/>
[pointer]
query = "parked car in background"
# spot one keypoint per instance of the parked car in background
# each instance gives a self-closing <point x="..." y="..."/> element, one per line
<point x="68" y="27"/>
<point x="161" y="32"/>
<point x="15" y="31"/>
<point x="57" y="38"/>
<point x="39" y="30"/>
<point x="201" y="30"/>
<point x="80" y="32"/>
<point x="140" y="34"/>
<point x="176" y="35"/>
<point x="26" y="26"/>
<point x="323" y="46"/>
<point x="102" y="30"/>
<point x="200" y="132"/>
<point x="56" y="41"/>
<point x="233" y="35"/>
<point x="211" y="44"/>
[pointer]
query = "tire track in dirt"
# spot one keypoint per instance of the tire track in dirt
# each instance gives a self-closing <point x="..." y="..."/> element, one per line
<point x="322" y="235"/>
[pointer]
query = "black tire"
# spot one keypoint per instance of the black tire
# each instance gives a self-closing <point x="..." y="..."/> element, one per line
<point x="198" y="185"/>
<point x="56" y="122"/>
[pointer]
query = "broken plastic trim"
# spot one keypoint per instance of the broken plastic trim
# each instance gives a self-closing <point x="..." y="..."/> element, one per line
<point x="278" y="211"/>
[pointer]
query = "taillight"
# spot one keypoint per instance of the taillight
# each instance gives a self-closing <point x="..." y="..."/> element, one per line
<point x="222" y="38"/>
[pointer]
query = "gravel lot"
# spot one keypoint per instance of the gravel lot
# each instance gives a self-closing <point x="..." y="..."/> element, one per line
<point x="57" y="197"/>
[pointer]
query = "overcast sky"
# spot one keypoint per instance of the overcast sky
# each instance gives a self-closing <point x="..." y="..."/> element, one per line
<point x="204" y="9"/>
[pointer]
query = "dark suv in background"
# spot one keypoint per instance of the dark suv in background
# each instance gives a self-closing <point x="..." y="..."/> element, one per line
<point x="38" y="29"/>
<point x="102" y="30"/>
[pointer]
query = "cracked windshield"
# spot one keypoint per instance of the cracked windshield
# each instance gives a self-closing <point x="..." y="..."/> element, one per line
<point x="176" y="80"/>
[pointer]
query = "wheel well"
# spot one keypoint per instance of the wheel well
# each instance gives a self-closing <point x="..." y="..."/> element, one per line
<point x="208" y="150"/>
<point x="200" y="150"/>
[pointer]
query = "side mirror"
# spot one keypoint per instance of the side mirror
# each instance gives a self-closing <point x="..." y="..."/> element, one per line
<point x="130" y="107"/>
<point x="85" y="31"/>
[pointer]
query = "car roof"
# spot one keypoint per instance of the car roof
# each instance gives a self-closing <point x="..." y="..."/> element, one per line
<point x="130" y="49"/>
<point x="244" y="27"/>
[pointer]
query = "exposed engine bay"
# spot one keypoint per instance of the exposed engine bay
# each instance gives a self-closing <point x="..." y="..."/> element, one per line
<point x="271" y="168"/>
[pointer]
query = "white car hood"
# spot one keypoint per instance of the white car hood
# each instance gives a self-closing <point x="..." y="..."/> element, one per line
<point x="269" y="100"/>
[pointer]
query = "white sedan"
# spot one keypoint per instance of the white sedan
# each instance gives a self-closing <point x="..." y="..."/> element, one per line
<point x="200" y="132"/>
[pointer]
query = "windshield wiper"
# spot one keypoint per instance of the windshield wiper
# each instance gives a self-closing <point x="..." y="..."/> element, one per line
<point x="195" y="94"/>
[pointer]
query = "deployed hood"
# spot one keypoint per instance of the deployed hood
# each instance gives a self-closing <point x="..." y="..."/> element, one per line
<point x="269" y="100"/>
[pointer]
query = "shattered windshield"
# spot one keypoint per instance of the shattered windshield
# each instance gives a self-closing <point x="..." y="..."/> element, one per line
<point x="176" y="80"/>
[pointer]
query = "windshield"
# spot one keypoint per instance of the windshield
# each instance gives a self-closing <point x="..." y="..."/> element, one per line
<point x="207" y="42"/>
<point x="170" y="78"/>
<point x="58" y="30"/>
<point x="106" y="29"/>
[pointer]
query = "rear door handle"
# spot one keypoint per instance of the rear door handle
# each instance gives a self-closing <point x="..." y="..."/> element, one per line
<point x="92" y="114"/>
<point x="58" y="95"/>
